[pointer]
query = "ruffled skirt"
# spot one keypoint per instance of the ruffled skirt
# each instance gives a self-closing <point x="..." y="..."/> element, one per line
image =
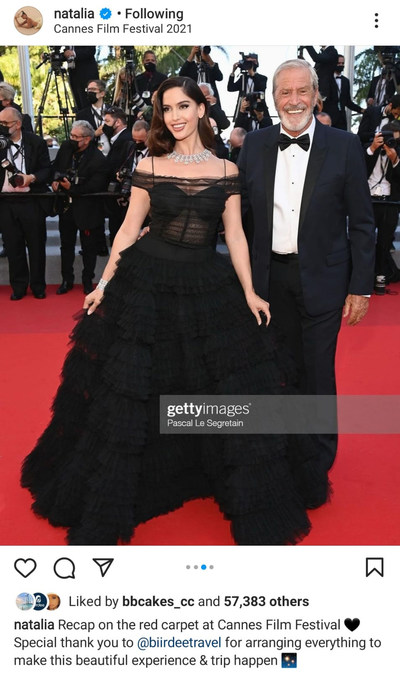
<point x="172" y="321"/>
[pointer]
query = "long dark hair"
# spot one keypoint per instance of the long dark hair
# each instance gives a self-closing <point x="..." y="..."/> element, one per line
<point x="161" y="141"/>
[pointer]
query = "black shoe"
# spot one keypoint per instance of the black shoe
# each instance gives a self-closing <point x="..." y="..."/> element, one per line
<point x="380" y="285"/>
<point x="87" y="287"/>
<point x="3" y="253"/>
<point x="65" y="287"/>
<point x="17" y="296"/>
<point x="103" y="252"/>
<point x="39" y="295"/>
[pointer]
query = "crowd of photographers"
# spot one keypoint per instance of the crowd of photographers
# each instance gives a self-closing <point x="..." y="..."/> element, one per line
<point x="89" y="179"/>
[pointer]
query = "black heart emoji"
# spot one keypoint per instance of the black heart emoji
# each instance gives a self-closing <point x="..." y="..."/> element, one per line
<point x="352" y="624"/>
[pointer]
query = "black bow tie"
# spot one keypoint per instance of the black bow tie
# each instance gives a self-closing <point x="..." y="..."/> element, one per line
<point x="303" y="141"/>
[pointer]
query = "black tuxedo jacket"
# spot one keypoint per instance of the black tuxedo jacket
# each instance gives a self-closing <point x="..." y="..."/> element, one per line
<point x="85" y="71"/>
<point x="335" y="258"/>
<point x="260" y="82"/>
<point x="92" y="171"/>
<point x="87" y="114"/>
<point x="37" y="162"/>
<point x="118" y="152"/>
<point x="390" y="89"/>
<point x="371" y="118"/>
<point x="212" y="75"/>
<point x="325" y="63"/>
<point x="146" y="83"/>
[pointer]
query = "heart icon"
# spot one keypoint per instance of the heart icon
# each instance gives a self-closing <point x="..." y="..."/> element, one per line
<point x="352" y="624"/>
<point x="25" y="566"/>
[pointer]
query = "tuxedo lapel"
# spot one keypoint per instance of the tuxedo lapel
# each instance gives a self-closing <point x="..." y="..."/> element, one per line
<point x="28" y="151"/>
<point x="317" y="155"/>
<point x="270" y="156"/>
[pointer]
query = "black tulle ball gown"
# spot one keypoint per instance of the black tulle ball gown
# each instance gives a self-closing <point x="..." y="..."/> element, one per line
<point x="173" y="320"/>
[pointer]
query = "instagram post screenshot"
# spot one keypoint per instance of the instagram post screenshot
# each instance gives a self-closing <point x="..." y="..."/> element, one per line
<point x="199" y="337"/>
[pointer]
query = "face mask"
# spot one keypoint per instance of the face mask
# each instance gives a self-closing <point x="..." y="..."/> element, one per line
<point x="74" y="145"/>
<point x="140" y="146"/>
<point x="92" y="97"/>
<point x="108" y="131"/>
<point x="150" y="67"/>
<point x="339" y="68"/>
<point x="4" y="131"/>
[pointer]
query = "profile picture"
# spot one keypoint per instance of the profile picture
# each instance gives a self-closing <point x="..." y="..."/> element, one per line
<point x="54" y="601"/>
<point x="28" y="20"/>
<point x="25" y="601"/>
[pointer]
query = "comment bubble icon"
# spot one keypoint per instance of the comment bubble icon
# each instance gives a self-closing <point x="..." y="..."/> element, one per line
<point x="64" y="568"/>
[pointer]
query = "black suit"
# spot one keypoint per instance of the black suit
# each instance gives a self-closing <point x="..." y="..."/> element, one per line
<point x="149" y="81"/>
<point x="85" y="70"/>
<point x="370" y="120"/>
<point x="87" y="114"/>
<point x="24" y="220"/>
<point x="336" y="106"/>
<point x="376" y="84"/>
<point x="330" y="262"/>
<point x="85" y="214"/>
<point x="386" y="215"/>
<point x="116" y="159"/>
<point x="325" y="63"/>
<point x="212" y="74"/>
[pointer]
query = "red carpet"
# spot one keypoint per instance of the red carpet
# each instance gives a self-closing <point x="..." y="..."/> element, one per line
<point x="365" y="509"/>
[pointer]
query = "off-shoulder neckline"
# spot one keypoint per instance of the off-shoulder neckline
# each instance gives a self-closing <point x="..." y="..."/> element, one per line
<point x="176" y="177"/>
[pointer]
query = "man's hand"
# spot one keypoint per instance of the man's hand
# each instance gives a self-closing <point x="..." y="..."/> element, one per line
<point x="355" y="308"/>
<point x="377" y="142"/>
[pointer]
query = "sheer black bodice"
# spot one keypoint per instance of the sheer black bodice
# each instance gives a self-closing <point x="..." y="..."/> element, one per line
<point x="186" y="211"/>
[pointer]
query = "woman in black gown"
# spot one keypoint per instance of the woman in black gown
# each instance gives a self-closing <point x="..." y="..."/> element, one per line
<point x="171" y="316"/>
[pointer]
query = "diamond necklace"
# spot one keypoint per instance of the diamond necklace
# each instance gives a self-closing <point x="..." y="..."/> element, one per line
<point x="190" y="158"/>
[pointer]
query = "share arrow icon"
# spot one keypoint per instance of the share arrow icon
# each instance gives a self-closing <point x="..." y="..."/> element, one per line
<point x="104" y="564"/>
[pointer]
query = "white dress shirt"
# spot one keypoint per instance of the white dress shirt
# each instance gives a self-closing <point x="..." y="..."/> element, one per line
<point x="291" y="167"/>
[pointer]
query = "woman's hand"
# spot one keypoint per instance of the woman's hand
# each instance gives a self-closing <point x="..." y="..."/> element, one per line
<point x="257" y="305"/>
<point x="93" y="300"/>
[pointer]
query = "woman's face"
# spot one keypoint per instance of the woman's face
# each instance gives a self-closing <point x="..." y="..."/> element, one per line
<point x="181" y="113"/>
<point x="54" y="601"/>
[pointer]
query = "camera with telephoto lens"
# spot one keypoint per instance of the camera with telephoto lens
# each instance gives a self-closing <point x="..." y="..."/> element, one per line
<point x="126" y="176"/>
<point x="5" y="142"/>
<point x="256" y="101"/>
<point x="70" y="175"/>
<point x="388" y="139"/>
<point x="138" y="102"/>
<point x="16" y="179"/>
<point x="245" y="64"/>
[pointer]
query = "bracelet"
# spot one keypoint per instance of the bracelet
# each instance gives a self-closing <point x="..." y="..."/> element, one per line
<point x="101" y="284"/>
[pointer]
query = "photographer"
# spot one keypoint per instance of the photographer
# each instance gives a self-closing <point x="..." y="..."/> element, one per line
<point x="383" y="167"/>
<point x="214" y="109"/>
<point x="7" y="94"/>
<point x="25" y="167"/>
<point x="384" y="86"/>
<point x="120" y="140"/>
<point x="79" y="169"/>
<point x="82" y="67"/>
<point x="325" y="62"/>
<point x="148" y="81"/>
<point x="376" y="116"/>
<point x="249" y="82"/>
<point x="200" y="67"/>
<point x="253" y="113"/>
<point x="94" y="112"/>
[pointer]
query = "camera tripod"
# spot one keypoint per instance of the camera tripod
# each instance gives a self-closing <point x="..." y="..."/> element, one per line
<point x="64" y="96"/>
<point x="129" y="90"/>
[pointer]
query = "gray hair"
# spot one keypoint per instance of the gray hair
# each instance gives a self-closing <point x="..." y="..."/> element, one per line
<point x="141" y="124"/>
<point x="7" y="91"/>
<point x="299" y="64"/>
<point x="87" y="129"/>
<point x="209" y="87"/>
